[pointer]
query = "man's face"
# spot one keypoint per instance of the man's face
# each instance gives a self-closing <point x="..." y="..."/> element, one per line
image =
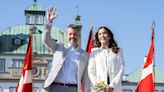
<point x="73" y="36"/>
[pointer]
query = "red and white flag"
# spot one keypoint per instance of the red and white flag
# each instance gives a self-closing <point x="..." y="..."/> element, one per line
<point x="146" y="83"/>
<point x="25" y="82"/>
<point x="90" y="43"/>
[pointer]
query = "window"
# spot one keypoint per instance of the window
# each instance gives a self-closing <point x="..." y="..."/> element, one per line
<point x="17" y="63"/>
<point x="49" y="63"/>
<point x="127" y="90"/>
<point x="30" y="19"/>
<point x="12" y="89"/>
<point x="35" y="71"/>
<point x="39" y="19"/>
<point x="2" y="65"/>
<point x="17" y="41"/>
<point x="27" y="19"/>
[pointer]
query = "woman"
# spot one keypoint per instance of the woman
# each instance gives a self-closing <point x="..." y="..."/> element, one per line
<point x="106" y="64"/>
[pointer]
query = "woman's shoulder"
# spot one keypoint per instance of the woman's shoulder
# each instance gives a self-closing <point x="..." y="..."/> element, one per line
<point x="96" y="49"/>
<point x="120" y="51"/>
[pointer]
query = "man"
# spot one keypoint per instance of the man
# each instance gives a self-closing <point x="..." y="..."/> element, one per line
<point x="69" y="65"/>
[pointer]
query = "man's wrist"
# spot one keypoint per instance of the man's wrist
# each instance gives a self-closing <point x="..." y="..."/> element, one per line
<point x="48" y="23"/>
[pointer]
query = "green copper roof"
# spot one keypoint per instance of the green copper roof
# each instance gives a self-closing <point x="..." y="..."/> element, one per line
<point x="136" y="74"/>
<point x="22" y="32"/>
<point x="35" y="7"/>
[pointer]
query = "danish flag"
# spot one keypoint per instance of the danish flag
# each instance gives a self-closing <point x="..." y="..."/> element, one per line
<point x="146" y="83"/>
<point x="25" y="83"/>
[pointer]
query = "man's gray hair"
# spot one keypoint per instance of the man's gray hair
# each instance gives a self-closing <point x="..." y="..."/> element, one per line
<point x="74" y="26"/>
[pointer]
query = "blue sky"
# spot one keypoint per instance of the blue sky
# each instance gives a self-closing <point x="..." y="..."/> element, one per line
<point x="130" y="21"/>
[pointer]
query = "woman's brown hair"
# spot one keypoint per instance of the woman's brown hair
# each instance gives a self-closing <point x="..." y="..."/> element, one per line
<point x="112" y="42"/>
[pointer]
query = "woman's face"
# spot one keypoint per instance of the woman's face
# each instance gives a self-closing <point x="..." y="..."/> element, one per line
<point x="103" y="36"/>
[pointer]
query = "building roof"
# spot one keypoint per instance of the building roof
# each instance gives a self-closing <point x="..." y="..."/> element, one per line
<point x="134" y="76"/>
<point x="22" y="32"/>
<point x="35" y="7"/>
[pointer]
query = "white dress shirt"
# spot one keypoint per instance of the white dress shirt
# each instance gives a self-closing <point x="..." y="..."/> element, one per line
<point x="68" y="72"/>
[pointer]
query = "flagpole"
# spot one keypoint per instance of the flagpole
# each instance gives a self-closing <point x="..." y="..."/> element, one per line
<point x="32" y="29"/>
<point x="153" y="33"/>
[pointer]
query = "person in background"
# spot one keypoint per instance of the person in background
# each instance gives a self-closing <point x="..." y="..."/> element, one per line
<point x="106" y="63"/>
<point x="70" y="62"/>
